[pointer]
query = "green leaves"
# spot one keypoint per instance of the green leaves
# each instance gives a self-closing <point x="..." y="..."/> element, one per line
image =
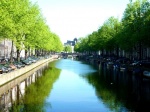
<point x="67" y="48"/>
<point x="131" y="31"/>
<point x="23" y="23"/>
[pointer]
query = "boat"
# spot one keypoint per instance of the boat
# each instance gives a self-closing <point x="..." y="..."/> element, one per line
<point x="123" y="67"/>
<point x="109" y="64"/>
<point x="146" y="74"/>
<point x="65" y="57"/>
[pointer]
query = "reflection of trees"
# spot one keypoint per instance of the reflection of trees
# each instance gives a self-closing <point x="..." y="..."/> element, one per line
<point x="37" y="92"/>
<point x="113" y="94"/>
<point x="104" y="91"/>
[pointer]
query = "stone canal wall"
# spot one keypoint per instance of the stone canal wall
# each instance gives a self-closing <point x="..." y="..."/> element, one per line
<point x="5" y="78"/>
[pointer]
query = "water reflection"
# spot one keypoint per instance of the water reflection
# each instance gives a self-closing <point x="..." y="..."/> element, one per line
<point x="36" y="93"/>
<point x="28" y="93"/>
<point x="121" y="91"/>
<point x="80" y="87"/>
<point x="75" y="66"/>
<point x="72" y="93"/>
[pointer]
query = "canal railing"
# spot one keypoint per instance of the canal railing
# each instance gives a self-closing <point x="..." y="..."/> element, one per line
<point x="5" y="78"/>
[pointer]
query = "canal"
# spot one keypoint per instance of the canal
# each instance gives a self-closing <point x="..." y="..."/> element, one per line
<point x="68" y="85"/>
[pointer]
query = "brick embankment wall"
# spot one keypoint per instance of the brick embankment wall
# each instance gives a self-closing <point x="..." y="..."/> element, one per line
<point x="6" y="77"/>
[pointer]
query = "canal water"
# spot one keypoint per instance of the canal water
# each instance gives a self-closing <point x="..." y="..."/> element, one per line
<point x="68" y="85"/>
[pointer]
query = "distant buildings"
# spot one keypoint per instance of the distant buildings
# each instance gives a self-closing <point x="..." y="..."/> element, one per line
<point x="71" y="43"/>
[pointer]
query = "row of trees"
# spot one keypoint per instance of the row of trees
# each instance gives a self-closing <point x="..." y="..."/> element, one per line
<point x="67" y="49"/>
<point x="22" y="22"/>
<point x="130" y="34"/>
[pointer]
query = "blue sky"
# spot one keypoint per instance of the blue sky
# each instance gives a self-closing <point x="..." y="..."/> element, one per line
<point x="71" y="19"/>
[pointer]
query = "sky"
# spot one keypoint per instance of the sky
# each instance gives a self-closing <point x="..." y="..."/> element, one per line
<point x="71" y="19"/>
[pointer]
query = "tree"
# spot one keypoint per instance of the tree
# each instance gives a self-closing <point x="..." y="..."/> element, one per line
<point x="6" y="22"/>
<point x="23" y="23"/>
<point x="106" y="38"/>
<point x="68" y="49"/>
<point x="133" y="22"/>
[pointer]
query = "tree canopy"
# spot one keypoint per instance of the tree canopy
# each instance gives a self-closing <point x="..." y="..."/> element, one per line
<point x="130" y="33"/>
<point x="23" y="23"/>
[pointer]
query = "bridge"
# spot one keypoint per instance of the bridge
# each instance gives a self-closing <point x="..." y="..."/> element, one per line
<point x="68" y="55"/>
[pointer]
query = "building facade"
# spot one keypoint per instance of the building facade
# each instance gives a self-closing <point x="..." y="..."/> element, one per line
<point x="6" y="47"/>
<point x="71" y="43"/>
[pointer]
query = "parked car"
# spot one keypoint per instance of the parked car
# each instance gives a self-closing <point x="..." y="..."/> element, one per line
<point x="143" y="63"/>
<point x="10" y="66"/>
<point x="19" y="64"/>
<point x="3" y="69"/>
<point x="123" y="60"/>
<point x="31" y="59"/>
<point x="26" y="62"/>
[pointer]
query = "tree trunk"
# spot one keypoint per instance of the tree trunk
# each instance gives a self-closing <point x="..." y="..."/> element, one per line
<point x="26" y="51"/>
<point x="35" y="52"/>
<point x="29" y="51"/>
<point x="18" y="55"/>
<point x="11" y="54"/>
